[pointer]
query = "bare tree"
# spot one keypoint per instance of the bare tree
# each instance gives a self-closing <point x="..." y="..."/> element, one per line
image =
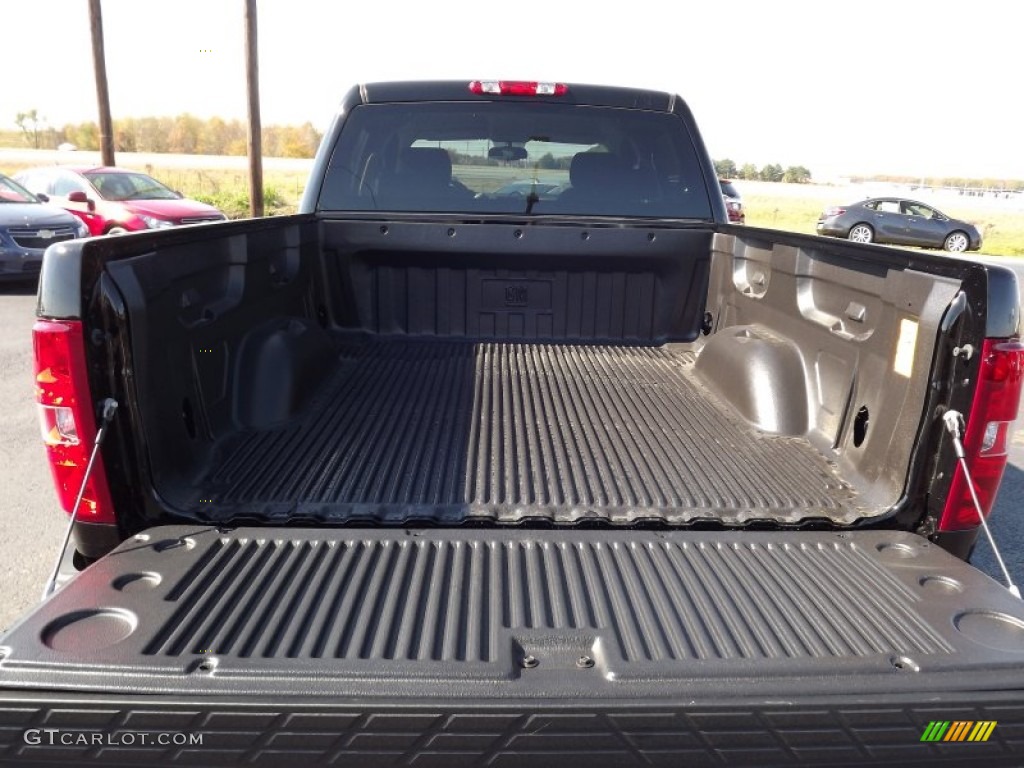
<point x="31" y="125"/>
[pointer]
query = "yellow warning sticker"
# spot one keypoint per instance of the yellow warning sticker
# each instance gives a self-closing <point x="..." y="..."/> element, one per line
<point x="905" y="348"/>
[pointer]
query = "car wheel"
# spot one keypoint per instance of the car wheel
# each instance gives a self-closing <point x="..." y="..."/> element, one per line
<point x="956" y="242"/>
<point x="117" y="231"/>
<point x="861" y="233"/>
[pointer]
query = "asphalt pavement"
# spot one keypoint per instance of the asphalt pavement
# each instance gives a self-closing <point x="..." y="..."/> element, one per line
<point x="32" y="525"/>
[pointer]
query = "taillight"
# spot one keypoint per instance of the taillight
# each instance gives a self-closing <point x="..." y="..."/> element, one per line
<point x="518" y="88"/>
<point x="66" y="418"/>
<point x="833" y="211"/>
<point x="993" y="412"/>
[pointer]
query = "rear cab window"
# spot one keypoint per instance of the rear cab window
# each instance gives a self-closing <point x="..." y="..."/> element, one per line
<point x="515" y="157"/>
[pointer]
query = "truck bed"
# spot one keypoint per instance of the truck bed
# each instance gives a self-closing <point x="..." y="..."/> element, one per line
<point x="443" y="432"/>
<point x="353" y="372"/>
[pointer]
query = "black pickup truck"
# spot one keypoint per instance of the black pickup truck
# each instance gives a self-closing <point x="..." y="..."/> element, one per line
<point x="509" y="450"/>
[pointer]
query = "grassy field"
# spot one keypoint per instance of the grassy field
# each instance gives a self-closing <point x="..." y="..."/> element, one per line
<point x="229" y="190"/>
<point x="789" y="207"/>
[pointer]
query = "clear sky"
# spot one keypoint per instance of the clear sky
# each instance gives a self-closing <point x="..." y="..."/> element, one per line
<point x="927" y="87"/>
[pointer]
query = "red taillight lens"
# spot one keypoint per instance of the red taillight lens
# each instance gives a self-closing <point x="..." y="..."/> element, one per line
<point x="66" y="418"/>
<point x="993" y="412"/>
<point x="829" y="212"/>
<point x="518" y="88"/>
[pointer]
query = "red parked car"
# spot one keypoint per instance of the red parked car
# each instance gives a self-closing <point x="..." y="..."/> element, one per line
<point x="115" y="200"/>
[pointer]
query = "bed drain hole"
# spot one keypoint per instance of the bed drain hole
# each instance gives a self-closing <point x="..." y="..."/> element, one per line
<point x="189" y="417"/>
<point x="905" y="664"/>
<point x="860" y="426"/>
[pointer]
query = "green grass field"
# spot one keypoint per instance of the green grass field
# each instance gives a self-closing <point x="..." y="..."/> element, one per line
<point x="229" y="190"/>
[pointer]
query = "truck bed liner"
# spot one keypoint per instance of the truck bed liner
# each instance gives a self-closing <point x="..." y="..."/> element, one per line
<point x="511" y="647"/>
<point x="456" y="613"/>
<point x="506" y="432"/>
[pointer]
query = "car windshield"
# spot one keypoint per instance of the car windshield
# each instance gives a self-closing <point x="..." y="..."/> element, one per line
<point x="511" y="157"/>
<point x="129" y="186"/>
<point x="12" y="192"/>
<point x="729" y="190"/>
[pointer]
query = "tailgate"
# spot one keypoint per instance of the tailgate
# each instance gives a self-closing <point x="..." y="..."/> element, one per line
<point x="473" y="646"/>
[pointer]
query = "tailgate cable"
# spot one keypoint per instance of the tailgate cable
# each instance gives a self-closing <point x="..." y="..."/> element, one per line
<point x="954" y="421"/>
<point x="109" y="409"/>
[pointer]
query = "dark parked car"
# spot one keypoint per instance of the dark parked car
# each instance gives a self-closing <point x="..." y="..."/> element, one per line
<point x="114" y="200"/>
<point x="733" y="204"/>
<point x="899" y="222"/>
<point x="27" y="227"/>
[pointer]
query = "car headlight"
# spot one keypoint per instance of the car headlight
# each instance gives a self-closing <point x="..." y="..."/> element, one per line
<point x="81" y="228"/>
<point x="155" y="223"/>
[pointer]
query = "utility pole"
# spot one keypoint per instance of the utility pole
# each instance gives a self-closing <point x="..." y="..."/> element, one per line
<point x="99" y="67"/>
<point x="252" y="79"/>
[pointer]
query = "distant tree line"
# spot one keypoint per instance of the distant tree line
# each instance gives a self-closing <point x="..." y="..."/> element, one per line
<point x="549" y="162"/>
<point x="797" y="174"/>
<point x="468" y="158"/>
<point x="794" y="174"/>
<point x="184" y="134"/>
<point x="546" y="162"/>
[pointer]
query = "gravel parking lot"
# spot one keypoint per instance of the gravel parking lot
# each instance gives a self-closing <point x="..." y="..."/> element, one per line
<point x="32" y="525"/>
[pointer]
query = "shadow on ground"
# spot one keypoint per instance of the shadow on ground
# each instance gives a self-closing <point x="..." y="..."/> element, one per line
<point x="19" y="288"/>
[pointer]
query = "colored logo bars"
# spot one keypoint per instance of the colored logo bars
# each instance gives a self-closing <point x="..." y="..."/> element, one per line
<point x="958" y="730"/>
